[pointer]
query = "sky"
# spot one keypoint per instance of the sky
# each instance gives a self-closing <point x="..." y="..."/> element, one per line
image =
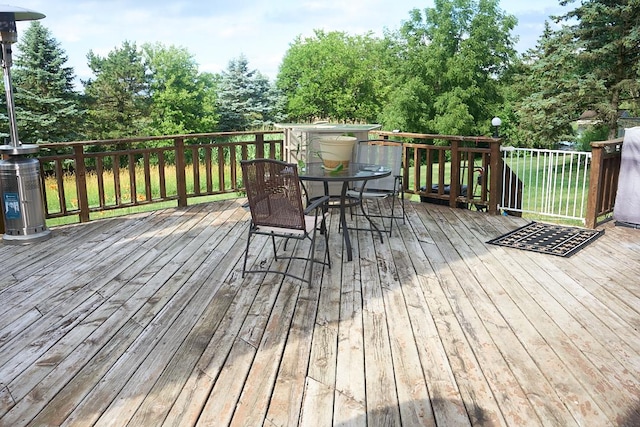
<point x="215" y="32"/>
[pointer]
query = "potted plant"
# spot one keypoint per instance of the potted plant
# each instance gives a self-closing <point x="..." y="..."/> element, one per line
<point x="336" y="150"/>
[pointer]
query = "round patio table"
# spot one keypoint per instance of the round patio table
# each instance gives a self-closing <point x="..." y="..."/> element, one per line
<point x="353" y="173"/>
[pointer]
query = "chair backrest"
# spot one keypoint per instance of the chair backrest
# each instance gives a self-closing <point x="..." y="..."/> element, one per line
<point x="274" y="194"/>
<point x="385" y="153"/>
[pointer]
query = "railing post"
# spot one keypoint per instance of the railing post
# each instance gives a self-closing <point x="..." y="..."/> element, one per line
<point x="2" y="229"/>
<point x="81" y="182"/>
<point x="260" y="146"/>
<point x="454" y="185"/>
<point x="181" y="177"/>
<point x="495" y="176"/>
<point x="593" y="197"/>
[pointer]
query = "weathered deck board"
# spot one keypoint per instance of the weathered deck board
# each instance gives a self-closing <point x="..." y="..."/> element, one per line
<point x="145" y="320"/>
<point x="516" y="332"/>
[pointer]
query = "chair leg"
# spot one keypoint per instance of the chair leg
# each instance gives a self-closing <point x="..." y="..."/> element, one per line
<point x="246" y="253"/>
<point x="372" y="225"/>
<point x="312" y="252"/>
<point x="393" y="207"/>
<point x="273" y="242"/>
<point x="393" y="214"/>
<point x="326" y="243"/>
<point x="312" y="249"/>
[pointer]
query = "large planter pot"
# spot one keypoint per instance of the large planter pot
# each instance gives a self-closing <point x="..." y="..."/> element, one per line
<point x="336" y="150"/>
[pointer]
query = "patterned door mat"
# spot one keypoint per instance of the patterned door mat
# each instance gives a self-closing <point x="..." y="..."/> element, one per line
<point x="548" y="238"/>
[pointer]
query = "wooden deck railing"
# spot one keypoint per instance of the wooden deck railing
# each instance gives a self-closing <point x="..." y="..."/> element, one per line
<point x="603" y="180"/>
<point x="92" y="176"/>
<point x="473" y="162"/>
<point x="86" y="177"/>
<point x="476" y="164"/>
<point x="82" y="178"/>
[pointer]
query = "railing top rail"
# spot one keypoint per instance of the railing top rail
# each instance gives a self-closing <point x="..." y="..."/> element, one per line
<point x="508" y="149"/>
<point x="435" y="136"/>
<point x="154" y="138"/>
<point x="610" y="142"/>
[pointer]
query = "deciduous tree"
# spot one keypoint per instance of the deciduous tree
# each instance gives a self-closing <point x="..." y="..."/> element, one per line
<point x="180" y="96"/>
<point x="450" y="61"/>
<point x="334" y="76"/>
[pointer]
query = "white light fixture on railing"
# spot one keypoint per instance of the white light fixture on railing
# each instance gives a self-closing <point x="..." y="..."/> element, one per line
<point x="496" y="122"/>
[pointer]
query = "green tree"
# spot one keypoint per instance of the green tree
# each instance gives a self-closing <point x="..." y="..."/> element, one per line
<point x="334" y="75"/>
<point x="546" y="92"/>
<point x="178" y="92"/>
<point x="47" y="107"/>
<point x="118" y="98"/>
<point x="592" y="62"/>
<point x="451" y="60"/>
<point x="210" y="117"/>
<point x="246" y="98"/>
<point x="607" y="41"/>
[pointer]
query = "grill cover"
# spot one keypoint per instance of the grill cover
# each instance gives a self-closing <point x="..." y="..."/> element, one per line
<point x="627" y="206"/>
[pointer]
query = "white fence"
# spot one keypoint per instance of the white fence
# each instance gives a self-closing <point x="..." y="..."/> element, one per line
<point x="551" y="183"/>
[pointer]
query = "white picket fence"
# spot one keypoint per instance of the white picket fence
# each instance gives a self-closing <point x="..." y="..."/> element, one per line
<point x="552" y="183"/>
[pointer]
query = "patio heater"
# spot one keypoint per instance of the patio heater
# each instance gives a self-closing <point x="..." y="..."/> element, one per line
<point x="21" y="196"/>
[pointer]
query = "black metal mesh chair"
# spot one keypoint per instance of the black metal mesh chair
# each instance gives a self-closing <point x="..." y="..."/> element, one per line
<point x="388" y="154"/>
<point x="275" y="201"/>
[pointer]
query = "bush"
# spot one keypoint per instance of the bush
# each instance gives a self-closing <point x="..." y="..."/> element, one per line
<point x="593" y="133"/>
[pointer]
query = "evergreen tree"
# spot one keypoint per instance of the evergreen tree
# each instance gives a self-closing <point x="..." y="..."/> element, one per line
<point x="246" y="98"/>
<point x="46" y="102"/>
<point x="546" y="92"/>
<point x="118" y="98"/>
<point x="607" y="40"/>
<point x="592" y="62"/>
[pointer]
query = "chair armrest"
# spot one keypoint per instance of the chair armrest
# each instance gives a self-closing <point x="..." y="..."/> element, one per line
<point x="316" y="204"/>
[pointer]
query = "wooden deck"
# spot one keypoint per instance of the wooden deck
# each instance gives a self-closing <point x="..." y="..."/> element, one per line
<point x="145" y="320"/>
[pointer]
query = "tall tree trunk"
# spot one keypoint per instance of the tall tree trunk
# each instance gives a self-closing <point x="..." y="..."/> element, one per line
<point x="612" y="119"/>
